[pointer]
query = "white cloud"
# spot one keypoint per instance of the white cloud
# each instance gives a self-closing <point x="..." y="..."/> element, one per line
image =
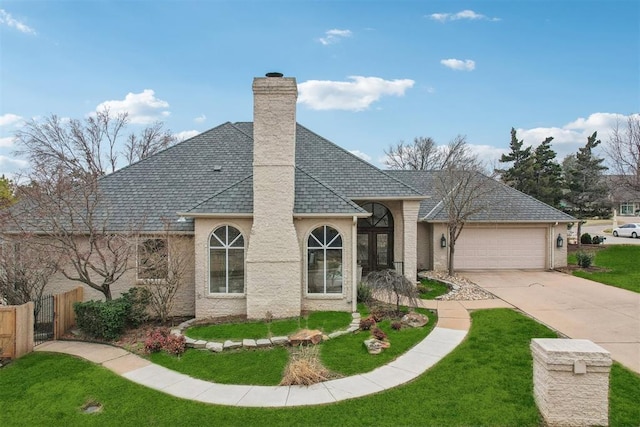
<point x="459" y="64"/>
<point x="200" y="119"/>
<point x="143" y="107"/>
<point x="16" y="163"/>
<point x="6" y="141"/>
<point x="10" y="119"/>
<point x="186" y="134"/>
<point x="569" y="137"/>
<point x="334" y="36"/>
<point x="355" y="95"/>
<point x="10" y="21"/>
<point x="363" y="156"/>
<point x="488" y="154"/>
<point x="464" y="14"/>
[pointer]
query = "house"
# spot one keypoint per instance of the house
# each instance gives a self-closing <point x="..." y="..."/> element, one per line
<point x="283" y="220"/>
<point x="623" y="197"/>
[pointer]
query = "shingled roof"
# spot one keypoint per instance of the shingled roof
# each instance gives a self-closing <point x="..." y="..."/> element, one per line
<point x="501" y="203"/>
<point x="212" y="173"/>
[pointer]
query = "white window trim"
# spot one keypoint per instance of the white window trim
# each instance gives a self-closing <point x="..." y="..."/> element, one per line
<point x="324" y="247"/>
<point x="226" y="248"/>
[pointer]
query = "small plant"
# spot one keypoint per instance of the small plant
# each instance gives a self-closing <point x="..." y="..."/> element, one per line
<point x="364" y="293"/>
<point x="378" y="333"/>
<point x="367" y="323"/>
<point x="393" y="286"/>
<point x="156" y="340"/>
<point x="396" y="326"/>
<point x="305" y="368"/>
<point x="585" y="259"/>
<point x="175" y="344"/>
<point x="585" y="239"/>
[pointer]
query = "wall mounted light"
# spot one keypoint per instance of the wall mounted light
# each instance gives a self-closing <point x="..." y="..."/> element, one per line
<point x="559" y="241"/>
<point x="443" y="241"/>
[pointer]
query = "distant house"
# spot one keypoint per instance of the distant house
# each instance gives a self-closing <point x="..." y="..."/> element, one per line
<point x="283" y="220"/>
<point x="623" y="198"/>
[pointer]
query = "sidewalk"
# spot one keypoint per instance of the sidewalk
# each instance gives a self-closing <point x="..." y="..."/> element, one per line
<point x="453" y="325"/>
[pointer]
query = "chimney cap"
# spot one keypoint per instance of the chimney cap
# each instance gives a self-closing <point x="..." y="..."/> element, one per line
<point x="274" y="74"/>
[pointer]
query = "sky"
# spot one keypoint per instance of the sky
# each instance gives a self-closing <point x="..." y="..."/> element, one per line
<point x="370" y="73"/>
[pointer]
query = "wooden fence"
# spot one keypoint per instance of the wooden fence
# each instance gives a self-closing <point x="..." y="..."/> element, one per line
<point x="64" y="317"/>
<point x="16" y="330"/>
<point x="17" y="323"/>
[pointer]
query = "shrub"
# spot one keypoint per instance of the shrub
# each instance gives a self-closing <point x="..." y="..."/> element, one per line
<point x="102" y="319"/>
<point x="305" y="368"/>
<point x="175" y="344"/>
<point x="596" y="240"/>
<point x="137" y="300"/>
<point x="367" y="323"/>
<point x="393" y="286"/>
<point x="364" y="293"/>
<point x="378" y="333"/>
<point x="585" y="259"/>
<point x="156" y="340"/>
<point x="396" y="326"/>
<point x="585" y="239"/>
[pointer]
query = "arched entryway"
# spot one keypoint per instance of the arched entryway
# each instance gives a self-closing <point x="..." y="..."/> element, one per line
<point x="375" y="238"/>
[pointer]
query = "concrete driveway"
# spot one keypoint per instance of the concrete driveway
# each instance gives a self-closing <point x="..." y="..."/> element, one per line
<point x="577" y="308"/>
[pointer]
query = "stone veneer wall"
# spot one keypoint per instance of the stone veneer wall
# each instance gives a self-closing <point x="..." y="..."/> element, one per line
<point x="571" y="381"/>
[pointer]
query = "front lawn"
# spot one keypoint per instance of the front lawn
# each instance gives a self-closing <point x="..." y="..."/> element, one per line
<point x="622" y="263"/>
<point x="487" y="380"/>
<point x="430" y="289"/>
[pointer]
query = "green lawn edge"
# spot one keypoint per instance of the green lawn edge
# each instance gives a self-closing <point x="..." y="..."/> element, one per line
<point x="622" y="263"/>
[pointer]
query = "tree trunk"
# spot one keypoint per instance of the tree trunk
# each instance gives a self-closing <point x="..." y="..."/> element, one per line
<point x="579" y="240"/>
<point x="452" y="250"/>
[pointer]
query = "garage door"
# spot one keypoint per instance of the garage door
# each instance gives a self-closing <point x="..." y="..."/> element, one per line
<point x="496" y="247"/>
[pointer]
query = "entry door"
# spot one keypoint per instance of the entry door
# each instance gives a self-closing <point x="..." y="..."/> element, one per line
<point x="375" y="251"/>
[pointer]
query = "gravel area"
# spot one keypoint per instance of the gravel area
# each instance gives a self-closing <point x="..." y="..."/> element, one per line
<point x="462" y="289"/>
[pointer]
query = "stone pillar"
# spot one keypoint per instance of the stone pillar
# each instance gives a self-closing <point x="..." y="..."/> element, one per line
<point x="410" y="209"/>
<point x="571" y="381"/>
<point x="273" y="254"/>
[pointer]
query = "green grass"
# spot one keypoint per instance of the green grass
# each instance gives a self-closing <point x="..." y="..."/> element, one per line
<point x="326" y="321"/>
<point x="258" y="367"/>
<point x="623" y="261"/>
<point x="347" y="354"/>
<point x="435" y="289"/>
<point x="485" y="381"/>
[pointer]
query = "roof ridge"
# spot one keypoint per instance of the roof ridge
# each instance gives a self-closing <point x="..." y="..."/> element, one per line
<point x="241" y="130"/>
<point x="220" y="192"/>
<point x="340" y="196"/>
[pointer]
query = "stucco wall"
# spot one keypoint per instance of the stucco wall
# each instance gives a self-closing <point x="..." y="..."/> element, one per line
<point x="424" y="246"/>
<point x="184" y="303"/>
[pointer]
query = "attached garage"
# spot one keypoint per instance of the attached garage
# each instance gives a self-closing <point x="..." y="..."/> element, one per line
<point x="501" y="247"/>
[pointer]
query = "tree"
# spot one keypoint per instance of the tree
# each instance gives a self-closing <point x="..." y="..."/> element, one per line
<point x="520" y="174"/>
<point x="584" y="177"/>
<point x="423" y="154"/>
<point x="167" y="263"/>
<point x="623" y="152"/>
<point x="392" y="285"/>
<point x="547" y="175"/>
<point x="462" y="189"/>
<point x="7" y="192"/>
<point x="62" y="201"/>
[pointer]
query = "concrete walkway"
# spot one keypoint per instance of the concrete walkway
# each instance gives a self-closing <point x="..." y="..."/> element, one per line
<point x="453" y="325"/>
<point x="577" y="308"/>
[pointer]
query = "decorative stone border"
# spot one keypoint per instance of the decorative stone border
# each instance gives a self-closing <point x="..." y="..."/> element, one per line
<point x="248" y="343"/>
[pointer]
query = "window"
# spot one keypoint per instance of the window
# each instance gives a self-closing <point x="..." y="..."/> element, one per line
<point x="153" y="259"/>
<point x="226" y="261"/>
<point x="324" y="261"/>
<point x="627" y="208"/>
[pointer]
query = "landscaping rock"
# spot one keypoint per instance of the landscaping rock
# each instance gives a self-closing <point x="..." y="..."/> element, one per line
<point x="353" y="328"/>
<point x="306" y="336"/>
<point x="228" y="344"/>
<point x="414" y="320"/>
<point x="356" y="316"/>
<point x="248" y="343"/>
<point x="216" y="347"/>
<point x="177" y="332"/>
<point x="375" y="346"/>
<point x="337" y="334"/>
<point x="263" y="342"/>
<point x="280" y="340"/>
<point x="189" y="342"/>
<point x="200" y="344"/>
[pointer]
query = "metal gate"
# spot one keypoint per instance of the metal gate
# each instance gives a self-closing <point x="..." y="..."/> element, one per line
<point x="43" y="314"/>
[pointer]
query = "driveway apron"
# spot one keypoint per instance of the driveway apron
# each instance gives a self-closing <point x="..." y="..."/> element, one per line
<point x="576" y="307"/>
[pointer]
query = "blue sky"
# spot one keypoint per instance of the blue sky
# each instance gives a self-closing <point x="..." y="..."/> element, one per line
<point x="370" y="73"/>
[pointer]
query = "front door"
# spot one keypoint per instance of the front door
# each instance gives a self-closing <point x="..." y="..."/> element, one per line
<point x="375" y="239"/>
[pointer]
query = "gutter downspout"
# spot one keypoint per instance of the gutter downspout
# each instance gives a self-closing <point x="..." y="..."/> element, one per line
<point x="551" y="246"/>
<point x="354" y="264"/>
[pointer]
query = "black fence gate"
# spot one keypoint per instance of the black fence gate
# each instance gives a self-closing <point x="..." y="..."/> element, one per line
<point x="43" y="313"/>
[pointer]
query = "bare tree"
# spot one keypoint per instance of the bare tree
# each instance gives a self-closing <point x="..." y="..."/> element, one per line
<point x="391" y="285"/>
<point x="423" y="154"/>
<point x="24" y="270"/>
<point x="462" y="189"/>
<point x="623" y="151"/>
<point x="164" y="264"/>
<point x="89" y="146"/>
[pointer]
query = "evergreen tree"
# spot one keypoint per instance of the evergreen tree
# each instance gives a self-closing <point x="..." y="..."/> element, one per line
<point x="547" y="175"/>
<point x="520" y="174"/>
<point x="7" y="196"/>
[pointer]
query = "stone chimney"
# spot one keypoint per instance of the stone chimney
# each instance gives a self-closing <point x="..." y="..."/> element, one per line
<point x="274" y="270"/>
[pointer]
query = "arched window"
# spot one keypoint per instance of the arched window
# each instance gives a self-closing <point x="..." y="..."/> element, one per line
<point x="226" y="261"/>
<point x="324" y="261"/>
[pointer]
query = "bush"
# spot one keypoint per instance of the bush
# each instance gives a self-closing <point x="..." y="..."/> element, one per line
<point x="585" y="259"/>
<point x="156" y="340"/>
<point x="596" y="240"/>
<point x="367" y="323"/>
<point x="364" y="293"/>
<point x="102" y="319"/>
<point x="378" y="333"/>
<point x="137" y="300"/>
<point x="396" y="326"/>
<point x="585" y="239"/>
<point x="175" y="344"/>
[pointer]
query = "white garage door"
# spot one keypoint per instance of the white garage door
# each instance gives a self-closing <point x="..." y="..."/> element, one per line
<point x="501" y="248"/>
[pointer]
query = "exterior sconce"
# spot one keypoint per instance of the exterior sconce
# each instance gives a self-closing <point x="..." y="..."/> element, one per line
<point x="559" y="241"/>
<point x="443" y="241"/>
